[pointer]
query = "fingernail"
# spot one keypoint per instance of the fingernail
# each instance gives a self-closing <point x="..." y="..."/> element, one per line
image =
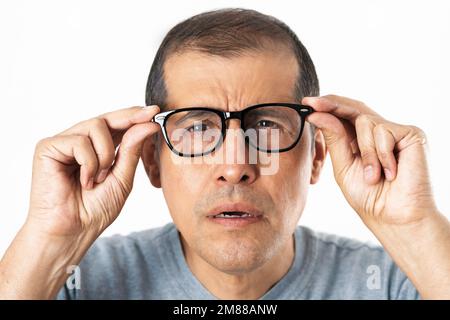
<point x="368" y="172"/>
<point x="102" y="175"/>
<point x="388" y="174"/>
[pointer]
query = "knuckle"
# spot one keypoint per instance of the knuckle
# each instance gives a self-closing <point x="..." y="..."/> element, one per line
<point x="383" y="155"/>
<point x="419" y="134"/>
<point x="418" y="131"/>
<point x="42" y="144"/>
<point x="82" y="141"/>
<point x="97" y="123"/>
<point x="367" y="155"/>
<point x="94" y="124"/>
<point x="362" y="104"/>
<point x="380" y="127"/>
<point x="363" y="120"/>
<point x="106" y="158"/>
<point x="380" y="130"/>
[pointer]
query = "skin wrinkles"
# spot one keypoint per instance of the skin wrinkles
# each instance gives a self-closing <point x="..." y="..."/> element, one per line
<point x="262" y="252"/>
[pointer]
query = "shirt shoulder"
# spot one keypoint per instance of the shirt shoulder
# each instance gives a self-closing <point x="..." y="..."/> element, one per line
<point x="346" y="268"/>
<point x="123" y="266"/>
<point x="133" y="243"/>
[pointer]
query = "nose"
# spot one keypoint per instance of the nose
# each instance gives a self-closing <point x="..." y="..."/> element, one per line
<point x="235" y="167"/>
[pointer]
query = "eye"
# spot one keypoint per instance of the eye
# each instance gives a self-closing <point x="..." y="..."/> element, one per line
<point x="266" y="124"/>
<point x="197" y="127"/>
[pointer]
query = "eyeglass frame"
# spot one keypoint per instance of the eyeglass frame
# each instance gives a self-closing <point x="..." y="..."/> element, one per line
<point x="161" y="118"/>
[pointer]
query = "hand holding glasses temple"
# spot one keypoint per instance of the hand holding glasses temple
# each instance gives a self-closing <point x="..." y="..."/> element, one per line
<point x="268" y="127"/>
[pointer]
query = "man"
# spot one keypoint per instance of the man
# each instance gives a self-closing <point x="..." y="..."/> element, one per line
<point x="236" y="83"/>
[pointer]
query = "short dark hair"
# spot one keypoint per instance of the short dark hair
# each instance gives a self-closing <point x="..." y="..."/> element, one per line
<point x="228" y="33"/>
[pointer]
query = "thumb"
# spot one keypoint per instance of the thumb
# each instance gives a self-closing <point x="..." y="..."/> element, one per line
<point x="337" y="139"/>
<point x="130" y="150"/>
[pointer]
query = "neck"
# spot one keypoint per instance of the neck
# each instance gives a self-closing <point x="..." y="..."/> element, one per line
<point x="250" y="285"/>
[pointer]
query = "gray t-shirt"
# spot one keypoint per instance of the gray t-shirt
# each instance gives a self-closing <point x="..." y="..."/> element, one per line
<point x="151" y="265"/>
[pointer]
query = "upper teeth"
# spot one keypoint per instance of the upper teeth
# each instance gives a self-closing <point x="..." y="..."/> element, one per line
<point x="233" y="214"/>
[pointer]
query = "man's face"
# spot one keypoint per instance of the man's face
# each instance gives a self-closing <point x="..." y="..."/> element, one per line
<point x="193" y="189"/>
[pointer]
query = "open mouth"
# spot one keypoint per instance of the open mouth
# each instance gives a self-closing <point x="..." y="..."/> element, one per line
<point x="234" y="215"/>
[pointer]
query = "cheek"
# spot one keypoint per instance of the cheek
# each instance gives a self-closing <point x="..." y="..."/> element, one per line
<point x="181" y="185"/>
<point x="295" y="171"/>
<point x="292" y="183"/>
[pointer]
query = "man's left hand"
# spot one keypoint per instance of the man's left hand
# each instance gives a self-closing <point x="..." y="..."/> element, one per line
<point x="381" y="168"/>
<point x="379" y="165"/>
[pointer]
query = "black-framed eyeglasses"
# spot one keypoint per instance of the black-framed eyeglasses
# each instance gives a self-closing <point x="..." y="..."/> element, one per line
<point x="198" y="131"/>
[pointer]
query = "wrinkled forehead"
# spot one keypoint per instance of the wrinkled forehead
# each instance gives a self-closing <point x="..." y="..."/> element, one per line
<point x="230" y="83"/>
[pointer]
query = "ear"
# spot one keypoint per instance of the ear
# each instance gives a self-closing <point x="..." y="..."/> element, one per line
<point x="150" y="159"/>
<point x="319" y="155"/>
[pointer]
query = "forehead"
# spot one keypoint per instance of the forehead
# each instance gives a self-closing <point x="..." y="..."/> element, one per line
<point x="230" y="83"/>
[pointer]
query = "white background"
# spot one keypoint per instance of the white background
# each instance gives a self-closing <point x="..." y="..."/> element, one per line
<point x="65" y="61"/>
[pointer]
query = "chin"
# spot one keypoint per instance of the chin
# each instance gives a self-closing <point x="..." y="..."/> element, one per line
<point x="239" y="256"/>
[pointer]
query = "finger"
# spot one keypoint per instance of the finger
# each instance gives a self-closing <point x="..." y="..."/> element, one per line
<point x="385" y="144"/>
<point x="103" y="146"/>
<point x="97" y="130"/>
<point x="341" y="107"/>
<point x="338" y="141"/>
<point x="120" y="121"/>
<point x="405" y="135"/>
<point x="130" y="151"/>
<point x="70" y="150"/>
<point x="398" y="138"/>
<point x="125" y="118"/>
<point x="106" y="132"/>
<point x="364" y="126"/>
<point x="351" y="133"/>
<point x="117" y="121"/>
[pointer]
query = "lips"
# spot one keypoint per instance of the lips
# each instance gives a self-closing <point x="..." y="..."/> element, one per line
<point x="235" y="211"/>
<point x="235" y="214"/>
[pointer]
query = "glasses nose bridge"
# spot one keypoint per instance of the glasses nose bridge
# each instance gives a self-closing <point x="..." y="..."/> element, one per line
<point x="228" y="115"/>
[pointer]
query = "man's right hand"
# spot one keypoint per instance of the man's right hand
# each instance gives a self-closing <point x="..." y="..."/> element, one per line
<point x="79" y="183"/>
<point x="79" y="186"/>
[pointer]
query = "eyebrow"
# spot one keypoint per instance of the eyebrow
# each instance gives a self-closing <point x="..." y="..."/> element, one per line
<point x="192" y="113"/>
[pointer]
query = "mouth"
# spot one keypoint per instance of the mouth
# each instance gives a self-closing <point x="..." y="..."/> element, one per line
<point x="235" y="215"/>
